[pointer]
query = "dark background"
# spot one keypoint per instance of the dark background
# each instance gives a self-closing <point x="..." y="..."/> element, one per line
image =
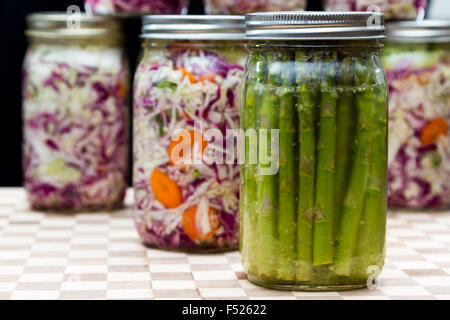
<point x="12" y="21"/>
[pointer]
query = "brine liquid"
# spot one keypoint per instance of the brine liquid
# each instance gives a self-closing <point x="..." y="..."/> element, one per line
<point x="319" y="222"/>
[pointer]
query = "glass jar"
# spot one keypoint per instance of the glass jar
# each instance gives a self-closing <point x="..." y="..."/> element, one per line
<point x="247" y="6"/>
<point x="393" y="9"/>
<point x="126" y="7"/>
<point x="187" y="90"/>
<point x="75" y="114"/>
<point x="417" y="63"/>
<point x="315" y="113"/>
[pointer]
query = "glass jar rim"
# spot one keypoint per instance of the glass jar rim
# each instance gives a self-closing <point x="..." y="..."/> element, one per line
<point x="419" y="31"/>
<point x="314" y="25"/>
<point x="193" y="27"/>
<point x="60" y="25"/>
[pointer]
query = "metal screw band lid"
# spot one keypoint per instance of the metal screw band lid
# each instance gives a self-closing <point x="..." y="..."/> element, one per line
<point x="308" y="25"/>
<point x="419" y="31"/>
<point x="201" y="27"/>
<point x="59" y="25"/>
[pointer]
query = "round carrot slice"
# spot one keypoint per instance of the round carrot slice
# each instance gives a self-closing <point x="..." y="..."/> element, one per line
<point x="190" y="228"/>
<point x="166" y="190"/>
<point x="179" y="158"/>
<point x="433" y="130"/>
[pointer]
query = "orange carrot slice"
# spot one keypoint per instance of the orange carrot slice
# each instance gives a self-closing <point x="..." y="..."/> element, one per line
<point x="195" y="138"/>
<point x="186" y="115"/>
<point x="208" y="77"/>
<point x="186" y="73"/>
<point x="166" y="190"/>
<point x="189" y="226"/>
<point x="121" y="91"/>
<point x="433" y="130"/>
<point x="424" y="79"/>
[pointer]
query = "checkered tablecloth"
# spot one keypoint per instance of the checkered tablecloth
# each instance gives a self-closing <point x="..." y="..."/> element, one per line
<point x="99" y="256"/>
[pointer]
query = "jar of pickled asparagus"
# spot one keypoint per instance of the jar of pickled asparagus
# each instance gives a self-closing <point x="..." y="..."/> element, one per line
<point x="417" y="63"/>
<point x="314" y="116"/>
<point x="186" y="120"/>
<point x="75" y="113"/>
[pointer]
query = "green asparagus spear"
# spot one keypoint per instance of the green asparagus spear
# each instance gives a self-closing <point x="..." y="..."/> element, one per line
<point x="242" y="170"/>
<point x="267" y="202"/>
<point x="369" y="246"/>
<point x="382" y="102"/>
<point x="326" y="145"/>
<point x="287" y="171"/>
<point x="354" y="200"/>
<point x="251" y="103"/>
<point x="346" y="124"/>
<point x="306" y="103"/>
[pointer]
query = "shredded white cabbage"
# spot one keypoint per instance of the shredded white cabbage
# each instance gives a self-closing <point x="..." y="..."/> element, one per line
<point x="393" y="9"/>
<point x="136" y="6"/>
<point x="170" y="95"/>
<point x="419" y="170"/>
<point x="75" y="126"/>
<point x="247" y="6"/>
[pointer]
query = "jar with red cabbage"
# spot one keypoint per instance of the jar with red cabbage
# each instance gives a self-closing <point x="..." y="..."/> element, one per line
<point x="417" y="63"/>
<point x="75" y="115"/>
<point x="392" y="9"/>
<point x="186" y="113"/>
<point x="127" y="7"/>
<point x="247" y="6"/>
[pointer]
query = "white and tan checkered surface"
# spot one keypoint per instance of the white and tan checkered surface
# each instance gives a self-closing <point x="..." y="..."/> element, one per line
<point x="99" y="256"/>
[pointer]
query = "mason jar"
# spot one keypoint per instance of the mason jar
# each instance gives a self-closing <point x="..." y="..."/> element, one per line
<point x="75" y="115"/>
<point x="315" y="122"/>
<point x="247" y="6"/>
<point x="417" y="63"/>
<point x="186" y="105"/>
<point x="136" y="7"/>
<point x="393" y="9"/>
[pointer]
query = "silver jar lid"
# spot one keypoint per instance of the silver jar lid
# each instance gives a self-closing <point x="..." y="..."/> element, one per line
<point x="419" y="31"/>
<point x="307" y="25"/>
<point x="59" y="25"/>
<point x="195" y="27"/>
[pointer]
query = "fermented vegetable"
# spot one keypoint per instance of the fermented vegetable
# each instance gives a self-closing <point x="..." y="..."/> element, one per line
<point x="184" y="91"/>
<point x="419" y="136"/>
<point x="393" y="9"/>
<point x="247" y="6"/>
<point x="310" y="217"/>
<point x="75" y="126"/>
<point x="315" y="178"/>
<point x="136" y="6"/>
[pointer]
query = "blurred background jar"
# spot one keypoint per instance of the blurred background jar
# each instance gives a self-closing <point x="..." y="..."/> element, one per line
<point x="393" y="9"/>
<point x="439" y="10"/>
<point x="75" y="115"/>
<point x="187" y="88"/>
<point x="247" y="6"/>
<point x="127" y="7"/>
<point x="417" y="63"/>
<point x="314" y="205"/>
